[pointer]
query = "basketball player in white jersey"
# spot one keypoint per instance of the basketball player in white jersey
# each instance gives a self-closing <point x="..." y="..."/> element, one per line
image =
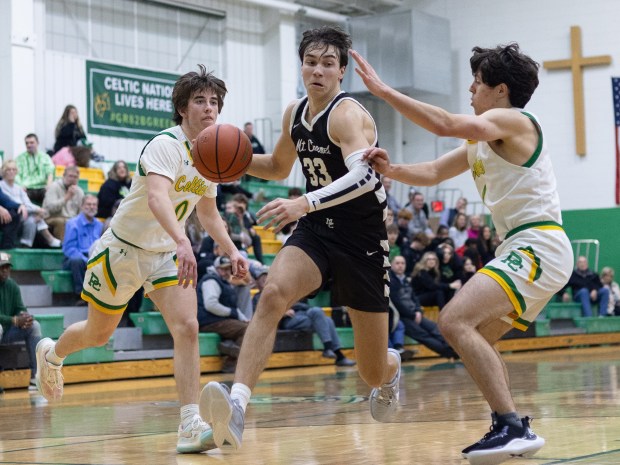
<point x="505" y="152"/>
<point x="146" y="246"/>
<point x="340" y="234"/>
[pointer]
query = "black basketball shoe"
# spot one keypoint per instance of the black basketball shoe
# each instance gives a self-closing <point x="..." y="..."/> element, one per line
<point x="504" y="442"/>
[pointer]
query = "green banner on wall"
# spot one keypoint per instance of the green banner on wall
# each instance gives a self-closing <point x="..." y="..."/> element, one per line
<point x="128" y="102"/>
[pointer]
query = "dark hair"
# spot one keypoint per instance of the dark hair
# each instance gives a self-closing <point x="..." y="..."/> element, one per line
<point x="506" y="64"/>
<point x="194" y="82"/>
<point x="295" y="191"/>
<point x="32" y="134"/>
<point x="64" y="120"/>
<point x="323" y="37"/>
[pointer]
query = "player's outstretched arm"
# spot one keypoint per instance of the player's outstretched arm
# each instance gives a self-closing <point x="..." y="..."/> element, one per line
<point x="160" y="204"/>
<point x="277" y="165"/>
<point x="212" y="221"/>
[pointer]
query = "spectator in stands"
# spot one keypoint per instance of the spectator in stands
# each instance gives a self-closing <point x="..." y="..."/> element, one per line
<point x="11" y="214"/>
<point x="403" y="219"/>
<point x="442" y="235"/>
<point x="458" y="232"/>
<point x="249" y="221"/>
<point x="303" y="317"/>
<point x="427" y="284"/>
<point x="392" y="235"/>
<point x="417" y="327"/>
<point x="392" y="203"/>
<point x="469" y="269"/>
<point x="16" y="324"/>
<point x="451" y="269"/>
<point x="63" y="200"/>
<point x="32" y="215"/>
<point x="35" y="170"/>
<point x="412" y="192"/>
<point x="587" y="289"/>
<point x="116" y="187"/>
<point x="257" y="147"/>
<point x="486" y="245"/>
<point x="233" y="215"/>
<point x="448" y="216"/>
<point x="294" y="193"/>
<point x="607" y="278"/>
<point x="470" y="250"/>
<point x="389" y="218"/>
<point x="413" y="254"/>
<point x="69" y="131"/>
<point x="219" y="313"/>
<point x="81" y="233"/>
<point x="419" y="222"/>
<point x="475" y="224"/>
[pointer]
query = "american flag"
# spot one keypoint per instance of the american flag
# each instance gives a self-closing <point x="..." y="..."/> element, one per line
<point x="615" y="85"/>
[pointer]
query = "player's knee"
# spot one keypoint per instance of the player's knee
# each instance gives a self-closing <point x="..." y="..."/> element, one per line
<point x="186" y="328"/>
<point x="447" y="326"/>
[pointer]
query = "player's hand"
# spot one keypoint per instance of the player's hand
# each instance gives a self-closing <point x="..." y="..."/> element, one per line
<point x="187" y="270"/>
<point x="239" y="265"/>
<point x="418" y="317"/>
<point x="368" y="74"/>
<point x="280" y="212"/>
<point x="378" y="159"/>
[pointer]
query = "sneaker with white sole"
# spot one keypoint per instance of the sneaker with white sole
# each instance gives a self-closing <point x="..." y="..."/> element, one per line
<point x="49" y="379"/>
<point x="384" y="400"/>
<point x="504" y="442"/>
<point x="224" y="414"/>
<point x="196" y="437"/>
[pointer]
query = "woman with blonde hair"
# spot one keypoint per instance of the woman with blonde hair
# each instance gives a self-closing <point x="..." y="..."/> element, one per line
<point x="33" y="222"/>
<point x="426" y="282"/>
<point x="607" y="278"/>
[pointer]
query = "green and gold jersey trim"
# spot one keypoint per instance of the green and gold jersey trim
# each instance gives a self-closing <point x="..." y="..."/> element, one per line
<point x="544" y="225"/>
<point x="102" y="306"/>
<point x="165" y="282"/>
<point x="141" y="171"/>
<point x="124" y="241"/>
<point x="538" y="150"/>
<point x="104" y="259"/>
<point x="509" y="287"/>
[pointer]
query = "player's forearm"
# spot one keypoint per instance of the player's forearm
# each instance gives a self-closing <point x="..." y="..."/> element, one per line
<point x="161" y="206"/>
<point x="263" y="167"/>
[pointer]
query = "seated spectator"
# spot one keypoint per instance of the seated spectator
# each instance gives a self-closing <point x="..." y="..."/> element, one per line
<point x="470" y="250"/>
<point x="73" y="156"/>
<point x="69" y="131"/>
<point x="451" y="268"/>
<point x="448" y="215"/>
<point x="486" y="245"/>
<point x="35" y="170"/>
<point x="249" y="221"/>
<point x="63" y="200"/>
<point x="32" y="218"/>
<point x="396" y="335"/>
<point x="419" y="222"/>
<point x="607" y="278"/>
<point x="403" y="218"/>
<point x="392" y="235"/>
<point x="475" y="224"/>
<point x="81" y="233"/>
<point x="11" y="214"/>
<point x="219" y="313"/>
<point x="469" y="269"/>
<point x="427" y="284"/>
<point x="108" y="220"/>
<point x="458" y="232"/>
<point x="389" y="217"/>
<point x="257" y="147"/>
<point x="419" y="244"/>
<point x="392" y="203"/>
<point x="587" y="289"/>
<point x="303" y="317"/>
<point x="233" y="216"/>
<point x="16" y="324"/>
<point x="417" y="327"/>
<point x="116" y="187"/>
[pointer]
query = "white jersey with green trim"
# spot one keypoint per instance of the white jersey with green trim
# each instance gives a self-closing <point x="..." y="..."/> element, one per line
<point x="167" y="154"/>
<point x="515" y="195"/>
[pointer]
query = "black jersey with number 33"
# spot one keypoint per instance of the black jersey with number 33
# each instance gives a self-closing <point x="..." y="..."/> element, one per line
<point x="322" y="163"/>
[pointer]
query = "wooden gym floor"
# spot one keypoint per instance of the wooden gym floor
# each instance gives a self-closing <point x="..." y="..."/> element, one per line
<point x="319" y="415"/>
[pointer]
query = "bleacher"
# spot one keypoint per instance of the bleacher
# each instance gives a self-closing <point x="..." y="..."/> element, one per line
<point x="146" y="349"/>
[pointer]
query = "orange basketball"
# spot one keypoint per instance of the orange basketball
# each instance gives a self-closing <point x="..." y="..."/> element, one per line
<point x="222" y="153"/>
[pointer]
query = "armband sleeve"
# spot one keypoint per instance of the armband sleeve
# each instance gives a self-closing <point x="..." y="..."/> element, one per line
<point x="358" y="181"/>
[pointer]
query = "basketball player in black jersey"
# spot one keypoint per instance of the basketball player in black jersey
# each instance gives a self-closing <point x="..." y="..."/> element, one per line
<point x="341" y="235"/>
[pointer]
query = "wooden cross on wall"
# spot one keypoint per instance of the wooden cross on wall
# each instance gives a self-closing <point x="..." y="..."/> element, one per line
<point x="575" y="63"/>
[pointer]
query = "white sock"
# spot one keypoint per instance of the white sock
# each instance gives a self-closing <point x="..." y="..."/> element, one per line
<point x="188" y="412"/>
<point x="53" y="358"/>
<point x="241" y="393"/>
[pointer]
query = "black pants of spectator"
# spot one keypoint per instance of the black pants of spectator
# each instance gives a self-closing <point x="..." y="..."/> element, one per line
<point x="9" y="231"/>
<point x="433" y="298"/>
<point x="257" y="248"/>
<point x="36" y="195"/>
<point x="427" y="333"/>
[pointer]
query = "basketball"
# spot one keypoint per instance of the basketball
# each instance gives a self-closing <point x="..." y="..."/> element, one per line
<point x="222" y="153"/>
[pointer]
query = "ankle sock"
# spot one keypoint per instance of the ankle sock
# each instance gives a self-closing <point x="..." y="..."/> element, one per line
<point x="241" y="393"/>
<point x="511" y="419"/>
<point x="53" y="358"/>
<point x="188" y="412"/>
